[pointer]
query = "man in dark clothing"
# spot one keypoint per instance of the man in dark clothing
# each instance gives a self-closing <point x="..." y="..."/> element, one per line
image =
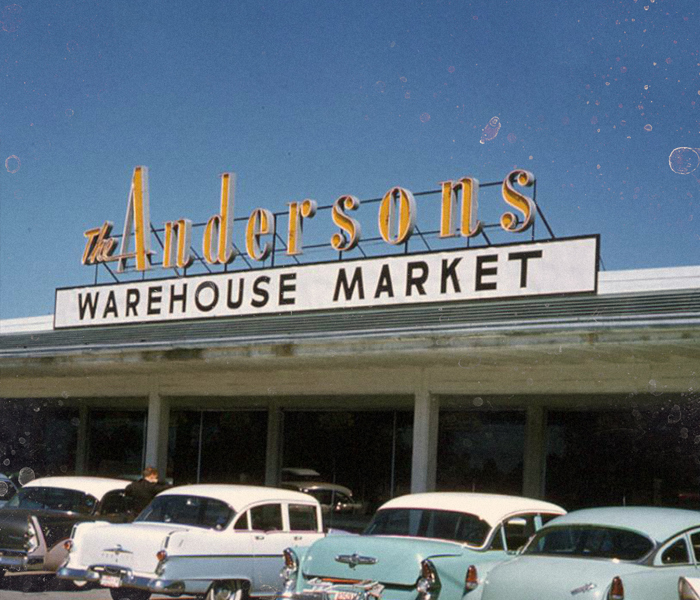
<point x="141" y="492"/>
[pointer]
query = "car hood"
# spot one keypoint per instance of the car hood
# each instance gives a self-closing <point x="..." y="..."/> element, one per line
<point x="389" y="560"/>
<point x="554" y="578"/>
<point x="128" y="545"/>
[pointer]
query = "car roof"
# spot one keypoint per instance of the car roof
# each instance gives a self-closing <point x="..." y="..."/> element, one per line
<point x="95" y="486"/>
<point x="318" y="485"/>
<point x="300" y="472"/>
<point x="492" y="508"/>
<point x="654" y="521"/>
<point x="240" y="496"/>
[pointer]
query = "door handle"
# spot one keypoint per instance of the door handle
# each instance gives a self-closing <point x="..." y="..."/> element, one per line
<point x="298" y="537"/>
<point x="259" y="537"/>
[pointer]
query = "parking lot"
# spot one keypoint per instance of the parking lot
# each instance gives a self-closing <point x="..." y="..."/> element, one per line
<point x="49" y="588"/>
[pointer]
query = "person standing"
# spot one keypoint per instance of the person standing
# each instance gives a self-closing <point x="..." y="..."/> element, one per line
<point x="141" y="492"/>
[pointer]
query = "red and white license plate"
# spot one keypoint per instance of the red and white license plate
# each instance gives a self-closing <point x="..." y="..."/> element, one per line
<point x="345" y="596"/>
<point x="111" y="581"/>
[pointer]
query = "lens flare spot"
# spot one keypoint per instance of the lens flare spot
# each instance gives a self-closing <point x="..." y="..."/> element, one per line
<point x="425" y="117"/>
<point x="12" y="164"/>
<point x="512" y="138"/>
<point x="10" y="18"/>
<point x="648" y="127"/>
<point x="491" y="130"/>
<point x="683" y="161"/>
<point x="450" y="69"/>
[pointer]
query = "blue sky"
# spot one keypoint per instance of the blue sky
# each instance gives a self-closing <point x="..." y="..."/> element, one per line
<point x="320" y="99"/>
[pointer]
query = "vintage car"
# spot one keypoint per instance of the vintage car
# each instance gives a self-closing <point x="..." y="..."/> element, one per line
<point x="224" y="541"/>
<point x="689" y="588"/>
<point x="38" y="519"/>
<point x="417" y="546"/>
<point x="620" y="553"/>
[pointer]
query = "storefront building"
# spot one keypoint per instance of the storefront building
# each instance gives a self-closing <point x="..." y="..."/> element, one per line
<point x="417" y="378"/>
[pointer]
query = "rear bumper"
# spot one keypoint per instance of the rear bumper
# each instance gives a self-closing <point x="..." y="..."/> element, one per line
<point x="127" y="579"/>
<point x="20" y="561"/>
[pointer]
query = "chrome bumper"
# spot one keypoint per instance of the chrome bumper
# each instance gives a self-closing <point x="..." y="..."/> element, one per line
<point x="171" y="587"/>
<point x="321" y="590"/>
<point x="20" y="561"/>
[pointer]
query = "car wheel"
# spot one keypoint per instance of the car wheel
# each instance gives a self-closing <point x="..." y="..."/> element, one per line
<point x="129" y="594"/>
<point x="225" y="590"/>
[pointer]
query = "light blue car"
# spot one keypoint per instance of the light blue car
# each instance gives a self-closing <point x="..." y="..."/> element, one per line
<point x="435" y="546"/>
<point x="622" y="553"/>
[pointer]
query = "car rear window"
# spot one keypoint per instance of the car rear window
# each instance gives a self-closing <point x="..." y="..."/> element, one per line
<point x="423" y="523"/>
<point x="188" y="510"/>
<point x="590" y="542"/>
<point x="51" y="498"/>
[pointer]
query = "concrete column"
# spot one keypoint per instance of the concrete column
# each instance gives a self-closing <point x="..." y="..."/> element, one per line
<point x="273" y="456"/>
<point x="425" y="434"/>
<point x="82" y="443"/>
<point x="535" y="452"/>
<point x="157" y="433"/>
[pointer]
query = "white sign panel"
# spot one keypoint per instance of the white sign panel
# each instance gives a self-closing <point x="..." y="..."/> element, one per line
<point x="565" y="266"/>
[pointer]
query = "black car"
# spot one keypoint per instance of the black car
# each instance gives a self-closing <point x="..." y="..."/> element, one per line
<point x="39" y="518"/>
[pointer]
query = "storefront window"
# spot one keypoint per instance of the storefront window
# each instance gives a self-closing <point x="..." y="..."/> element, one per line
<point x="368" y="452"/>
<point x="481" y="451"/>
<point x="217" y="446"/>
<point x="635" y="456"/>
<point x="40" y="435"/>
<point x="116" y="441"/>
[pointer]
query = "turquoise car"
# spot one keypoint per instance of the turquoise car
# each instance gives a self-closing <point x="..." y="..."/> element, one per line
<point x="621" y="553"/>
<point x="435" y="546"/>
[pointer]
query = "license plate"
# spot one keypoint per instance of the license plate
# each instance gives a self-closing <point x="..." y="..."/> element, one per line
<point x="345" y="595"/>
<point x="111" y="581"/>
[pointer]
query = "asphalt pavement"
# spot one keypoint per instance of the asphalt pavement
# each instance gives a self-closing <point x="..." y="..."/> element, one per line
<point x="27" y="587"/>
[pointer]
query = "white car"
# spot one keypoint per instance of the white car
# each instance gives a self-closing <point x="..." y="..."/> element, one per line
<point x="224" y="541"/>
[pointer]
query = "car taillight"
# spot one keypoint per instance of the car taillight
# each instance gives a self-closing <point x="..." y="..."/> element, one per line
<point x="68" y="545"/>
<point x="32" y="539"/>
<point x="617" y="590"/>
<point x="291" y="562"/>
<point x="428" y="582"/>
<point x="161" y="555"/>
<point x="471" y="581"/>
<point x="686" y="591"/>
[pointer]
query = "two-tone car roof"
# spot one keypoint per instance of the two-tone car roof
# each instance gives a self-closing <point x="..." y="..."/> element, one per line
<point x="656" y="522"/>
<point x="95" y="486"/>
<point x="239" y="497"/>
<point x="491" y="508"/>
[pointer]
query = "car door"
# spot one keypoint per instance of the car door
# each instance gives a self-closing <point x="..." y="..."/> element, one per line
<point x="304" y="521"/>
<point x="269" y="539"/>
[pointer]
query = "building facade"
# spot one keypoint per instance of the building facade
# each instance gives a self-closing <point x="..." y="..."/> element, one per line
<point x="582" y="399"/>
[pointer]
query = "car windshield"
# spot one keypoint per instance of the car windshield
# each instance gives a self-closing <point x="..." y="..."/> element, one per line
<point x="424" y="523"/>
<point x="50" y="498"/>
<point x="188" y="510"/>
<point x="590" y="542"/>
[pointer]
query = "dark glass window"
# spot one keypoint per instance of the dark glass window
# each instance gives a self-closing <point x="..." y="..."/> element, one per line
<point x="634" y="456"/>
<point x="267" y="517"/>
<point x="373" y="472"/>
<point x="187" y="510"/>
<point x="50" y="498"/>
<point x="116" y="441"/>
<point x="590" y="542"/>
<point x="518" y="531"/>
<point x="481" y="450"/>
<point x="676" y="554"/>
<point x="200" y="448"/>
<point x="302" y="517"/>
<point x="423" y="523"/>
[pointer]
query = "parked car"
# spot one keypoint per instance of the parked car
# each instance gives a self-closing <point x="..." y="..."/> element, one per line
<point x="38" y="519"/>
<point x="417" y="546"/>
<point x="689" y="588"/>
<point x="334" y="498"/>
<point x="224" y="541"/>
<point x="604" y="554"/>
